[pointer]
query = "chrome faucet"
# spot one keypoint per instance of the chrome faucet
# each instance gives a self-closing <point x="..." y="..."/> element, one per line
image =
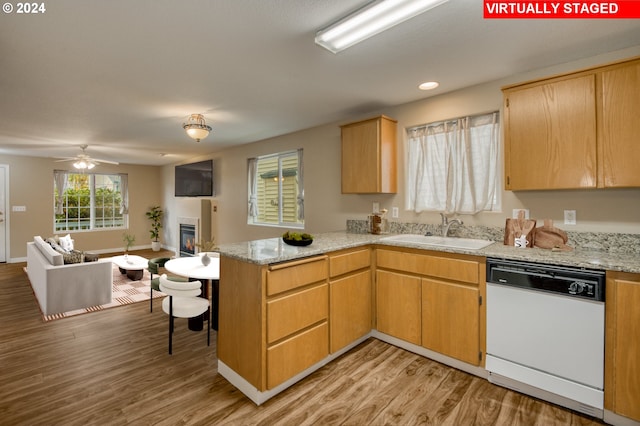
<point x="446" y="224"/>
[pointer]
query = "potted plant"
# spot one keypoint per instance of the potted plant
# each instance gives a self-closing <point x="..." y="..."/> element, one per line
<point x="155" y="214"/>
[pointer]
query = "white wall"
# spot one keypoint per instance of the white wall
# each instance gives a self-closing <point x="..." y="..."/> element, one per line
<point x="326" y="209"/>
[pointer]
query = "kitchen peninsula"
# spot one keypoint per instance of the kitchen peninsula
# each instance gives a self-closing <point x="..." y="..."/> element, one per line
<point x="286" y="311"/>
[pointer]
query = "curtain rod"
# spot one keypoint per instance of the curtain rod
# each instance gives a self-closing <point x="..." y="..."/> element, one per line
<point x="450" y="120"/>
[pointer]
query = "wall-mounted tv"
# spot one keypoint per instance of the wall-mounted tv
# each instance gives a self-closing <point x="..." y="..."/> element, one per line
<point x="195" y="179"/>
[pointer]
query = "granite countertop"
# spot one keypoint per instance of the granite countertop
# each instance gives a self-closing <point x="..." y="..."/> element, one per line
<point x="274" y="250"/>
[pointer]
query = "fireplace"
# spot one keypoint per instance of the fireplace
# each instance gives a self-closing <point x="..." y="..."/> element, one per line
<point x="187" y="239"/>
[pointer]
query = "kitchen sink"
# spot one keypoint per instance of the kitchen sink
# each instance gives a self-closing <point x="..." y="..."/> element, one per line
<point x="435" y="240"/>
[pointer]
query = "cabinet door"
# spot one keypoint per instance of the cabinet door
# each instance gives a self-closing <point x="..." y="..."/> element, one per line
<point x="620" y="126"/>
<point x="398" y="306"/>
<point x="369" y="156"/>
<point x="350" y="312"/>
<point x="550" y="135"/>
<point x="622" y="362"/>
<point x="451" y="320"/>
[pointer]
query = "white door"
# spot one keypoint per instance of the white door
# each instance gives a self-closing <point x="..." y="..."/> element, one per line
<point x="3" y="213"/>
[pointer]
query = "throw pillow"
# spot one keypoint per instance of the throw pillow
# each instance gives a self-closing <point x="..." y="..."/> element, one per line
<point x="90" y="257"/>
<point x="66" y="242"/>
<point x="73" y="257"/>
<point x="57" y="247"/>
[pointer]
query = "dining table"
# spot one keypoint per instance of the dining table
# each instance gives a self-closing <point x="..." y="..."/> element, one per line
<point x="194" y="268"/>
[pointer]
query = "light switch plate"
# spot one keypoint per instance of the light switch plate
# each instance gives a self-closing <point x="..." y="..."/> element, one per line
<point x="394" y="212"/>
<point x="18" y="208"/>
<point x="376" y="207"/>
<point x="515" y="212"/>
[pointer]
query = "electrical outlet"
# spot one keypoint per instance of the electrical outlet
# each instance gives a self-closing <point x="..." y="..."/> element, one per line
<point x="394" y="212"/>
<point x="515" y="212"/>
<point x="376" y="207"/>
<point x="18" y="208"/>
<point x="569" y="217"/>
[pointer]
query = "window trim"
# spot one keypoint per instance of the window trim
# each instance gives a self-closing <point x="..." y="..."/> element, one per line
<point x="253" y="174"/>
<point x="92" y="203"/>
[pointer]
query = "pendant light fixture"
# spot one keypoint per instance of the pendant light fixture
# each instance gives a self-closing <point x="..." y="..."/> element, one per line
<point x="196" y="127"/>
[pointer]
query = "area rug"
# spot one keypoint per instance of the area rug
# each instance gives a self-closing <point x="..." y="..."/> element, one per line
<point x="125" y="292"/>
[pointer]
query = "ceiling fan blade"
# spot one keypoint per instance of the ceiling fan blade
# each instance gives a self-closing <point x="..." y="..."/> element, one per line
<point x="104" y="161"/>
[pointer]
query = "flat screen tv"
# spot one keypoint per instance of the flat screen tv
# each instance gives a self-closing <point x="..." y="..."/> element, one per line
<point x="195" y="179"/>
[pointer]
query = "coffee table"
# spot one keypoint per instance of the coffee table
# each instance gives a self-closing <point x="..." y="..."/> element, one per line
<point x="132" y="265"/>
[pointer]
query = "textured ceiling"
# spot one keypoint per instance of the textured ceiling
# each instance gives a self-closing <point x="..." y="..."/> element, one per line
<point x="122" y="76"/>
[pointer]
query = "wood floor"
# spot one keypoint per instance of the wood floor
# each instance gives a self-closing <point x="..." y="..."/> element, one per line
<point x="112" y="368"/>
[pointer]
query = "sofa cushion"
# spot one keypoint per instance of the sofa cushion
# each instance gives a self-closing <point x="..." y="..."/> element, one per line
<point x="53" y="257"/>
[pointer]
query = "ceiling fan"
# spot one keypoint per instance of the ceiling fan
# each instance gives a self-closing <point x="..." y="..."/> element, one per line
<point x="83" y="161"/>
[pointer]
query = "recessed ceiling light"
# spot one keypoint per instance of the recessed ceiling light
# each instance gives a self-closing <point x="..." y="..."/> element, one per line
<point x="428" y="85"/>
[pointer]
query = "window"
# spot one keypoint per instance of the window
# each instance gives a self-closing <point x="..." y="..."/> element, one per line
<point x="452" y="166"/>
<point x="89" y="201"/>
<point x="276" y="190"/>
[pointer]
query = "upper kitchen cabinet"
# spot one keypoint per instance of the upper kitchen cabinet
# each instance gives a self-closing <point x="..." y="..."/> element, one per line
<point x="369" y="156"/>
<point x="550" y="134"/>
<point x="620" y="126"/>
<point x="574" y="131"/>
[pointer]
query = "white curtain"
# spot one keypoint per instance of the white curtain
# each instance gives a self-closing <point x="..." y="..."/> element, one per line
<point x="60" y="179"/>
<point x="124" y="194"/>
<point x="300" y="186"/>
<point x="253" y="188"/>
<point x="452" y="166"/>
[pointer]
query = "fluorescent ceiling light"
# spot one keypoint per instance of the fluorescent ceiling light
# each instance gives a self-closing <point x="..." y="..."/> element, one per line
<point x="372" y="19"/>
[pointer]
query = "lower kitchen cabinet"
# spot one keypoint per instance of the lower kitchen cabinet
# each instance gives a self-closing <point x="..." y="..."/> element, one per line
<point x="451" y="319"/>
<point x="433" y="300"/>
<point x="297" y="353"/>
<point x="622" y="346"/>
<point x="398" y="306"/>
<point x="274" y="319"/>
<point x="350" y="309"/>
<point x="350" y="299"/>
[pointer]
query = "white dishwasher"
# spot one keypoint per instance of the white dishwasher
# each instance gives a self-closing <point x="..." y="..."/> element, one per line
<point x="545" y="332"/>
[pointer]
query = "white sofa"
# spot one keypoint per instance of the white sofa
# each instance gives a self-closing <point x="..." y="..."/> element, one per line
<point x="61" y="288"/>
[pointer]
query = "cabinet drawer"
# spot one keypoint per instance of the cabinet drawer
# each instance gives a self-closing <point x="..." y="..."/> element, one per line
<point x="294" y="312"/>
<point x="294" y="355"/>
<point x="434" y="266"/>
<point x="291" y="275"/>
<point x="343" y="263"/>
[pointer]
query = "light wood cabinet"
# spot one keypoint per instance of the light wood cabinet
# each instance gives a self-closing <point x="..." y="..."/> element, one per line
<point x="398" y="306"/>
<point x="550" y="134"/>
<point x="274" y="319"/>
<point x="620" y="126"/>
<point x="451" y="319"/>
<point x="369" y="156"/>
<point x="622" y="345"/>
<point x="436" y="298"/>
<point x="574" y="131"/>
<point x="350" y="297"/>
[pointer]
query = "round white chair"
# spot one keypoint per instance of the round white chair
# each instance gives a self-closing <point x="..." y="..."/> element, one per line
<point x="183" y="301"/>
